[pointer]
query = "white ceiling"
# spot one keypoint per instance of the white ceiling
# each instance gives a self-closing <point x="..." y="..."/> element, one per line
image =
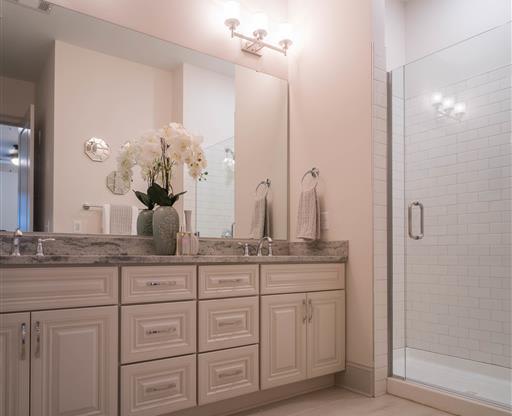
<point x="28" y="34"/>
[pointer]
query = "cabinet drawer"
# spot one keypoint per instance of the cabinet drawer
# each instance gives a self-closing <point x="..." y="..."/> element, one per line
<point x="158" y="283"/>
<point x="228" y="373"/>
<point x="291" y="278"/>
<point x="157" y="331"/>
<point x="158" y="387"/>
<point x="228" y="281"/>
<point x="25" y="289"/>
<point x="226" y="323"/>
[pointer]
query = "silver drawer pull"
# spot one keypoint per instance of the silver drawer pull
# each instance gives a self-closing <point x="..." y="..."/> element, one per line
<point x="310" y="310"/>
<point x="160" y="331"/>
<point x="221" y="281"/>
<point x="37" y="330"/>
<point x="23" y="340"/>
<point x="161" y="388"/>
<point x="230" y="373"/>
<point x="305" y="311"/>
<point x="230" y="323"/>
<point x="162" y="283"/>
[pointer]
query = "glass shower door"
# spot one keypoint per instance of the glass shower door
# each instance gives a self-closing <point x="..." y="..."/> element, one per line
<point x="456" y="213"/>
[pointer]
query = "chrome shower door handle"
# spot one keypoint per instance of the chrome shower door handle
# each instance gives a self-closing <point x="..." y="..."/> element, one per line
<point x="422" y="220"/>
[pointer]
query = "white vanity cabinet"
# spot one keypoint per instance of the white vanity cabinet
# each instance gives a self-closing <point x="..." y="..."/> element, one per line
<point x="302" y="331"/>
<point x="62" y="361"/>
<point x="74" y="362"/>
<point x="14" y="364"/>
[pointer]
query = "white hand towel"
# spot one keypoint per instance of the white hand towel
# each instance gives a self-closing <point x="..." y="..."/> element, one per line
<point x="308" y="219"/>
<point x="259" y="217"/>
<point x="119" y="219"/>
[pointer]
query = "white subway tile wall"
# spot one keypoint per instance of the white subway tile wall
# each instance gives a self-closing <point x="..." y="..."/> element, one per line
<point x="458" y="285"/>
<point x="214" y="199"/>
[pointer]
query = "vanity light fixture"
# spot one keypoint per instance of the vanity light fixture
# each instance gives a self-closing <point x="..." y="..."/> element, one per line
<point x="447" y="106"/>
<point x="260" y="26"/>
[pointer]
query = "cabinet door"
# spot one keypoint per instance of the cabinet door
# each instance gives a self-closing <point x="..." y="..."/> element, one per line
<point x="326" y="332"/>
<point x="74" y="362"/>
<point x="14" y="364"/>
<point x="283" y="339"/>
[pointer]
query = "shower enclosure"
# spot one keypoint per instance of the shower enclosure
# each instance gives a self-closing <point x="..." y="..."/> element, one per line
<point x="450" y="199"/>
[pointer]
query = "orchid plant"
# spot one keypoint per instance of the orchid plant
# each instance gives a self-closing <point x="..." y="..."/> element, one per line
<point x="158" y="153"/>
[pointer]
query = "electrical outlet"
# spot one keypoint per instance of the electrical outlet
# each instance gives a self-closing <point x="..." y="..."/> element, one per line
<point x="77" y="226"/>
<point x="324" y="220"/>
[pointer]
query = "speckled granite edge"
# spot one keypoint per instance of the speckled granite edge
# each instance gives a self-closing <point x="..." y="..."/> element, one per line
<point x="94" y="249"/>
<point x="162" y="260"/>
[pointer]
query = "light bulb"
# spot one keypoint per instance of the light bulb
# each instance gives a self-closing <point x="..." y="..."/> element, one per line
<point x="459" y="109"/>
<point x="285" y="31"/>
<point x="436" y="99"/>
<point x="448" y="104"/>
<point x="232" y="14"/>
<point x="285" y="36"/>
<point x="15" y="160"/>
<point x="260" y="25"/>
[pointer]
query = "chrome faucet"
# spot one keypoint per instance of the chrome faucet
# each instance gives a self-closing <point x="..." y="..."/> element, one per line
<point x="40" y="241"/>
<point x="260" y="245"/>
<point x="16" y="242"/>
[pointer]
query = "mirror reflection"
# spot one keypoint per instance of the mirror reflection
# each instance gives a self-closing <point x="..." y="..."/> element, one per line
<point x="77" y="89"/>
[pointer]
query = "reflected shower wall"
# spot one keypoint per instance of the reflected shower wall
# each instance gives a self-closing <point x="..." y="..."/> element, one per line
<point x="452" y="289"/>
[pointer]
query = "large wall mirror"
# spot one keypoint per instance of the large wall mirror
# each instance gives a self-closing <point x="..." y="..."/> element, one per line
<point x="75" y="89"/>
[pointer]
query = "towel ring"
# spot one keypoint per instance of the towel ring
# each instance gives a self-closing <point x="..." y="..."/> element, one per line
<point x="267" y="183"/>
<point x="314" y="172"/>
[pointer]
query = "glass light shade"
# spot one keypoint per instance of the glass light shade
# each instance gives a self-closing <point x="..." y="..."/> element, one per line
<point x="448" y="103"/>
<point x="232" y="10"/>
<point x="260" y="22"/>
<point x="285" y="32"/>
<point x="459" y="109"/>
<point x="15" y="160"/>
<point x="436" y="99"/>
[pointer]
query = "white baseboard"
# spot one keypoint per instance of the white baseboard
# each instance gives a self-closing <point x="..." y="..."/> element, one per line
<point x="357" y="378"/>
<point x="441" y="400"/>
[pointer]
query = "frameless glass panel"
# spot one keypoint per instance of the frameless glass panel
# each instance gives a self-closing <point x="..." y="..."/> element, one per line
<point x="457" y="219"/>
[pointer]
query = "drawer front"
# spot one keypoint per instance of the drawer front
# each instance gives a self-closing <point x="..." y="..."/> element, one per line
<point x="158" y="387"/>
<point x="226" y="374"/>
<point x="292" y="278"/>
<point x="25" y="289"/>
<point x="157" y="331"/>
<point x="228" y="281"/>
<point x="158" y="283"/>
<point x="226" y="323"/>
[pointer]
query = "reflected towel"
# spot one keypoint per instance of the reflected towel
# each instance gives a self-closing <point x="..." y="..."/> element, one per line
<point x="308" y="219"/>
<point x="119" y="219"/>
<point x="260" y="224"/>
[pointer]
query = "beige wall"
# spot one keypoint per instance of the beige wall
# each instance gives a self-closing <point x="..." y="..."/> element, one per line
<point x="330" y="122"/>
<point x="196" y="24"/>
<point x="261" y="125"/>
<point x="98" y="95"/>
<point x="17" y="95"/>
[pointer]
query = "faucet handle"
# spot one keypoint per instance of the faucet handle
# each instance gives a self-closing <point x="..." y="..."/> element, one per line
<point x="40" y="241"/>
<point x="17" y="233"/>
<point x="245" y="248"/>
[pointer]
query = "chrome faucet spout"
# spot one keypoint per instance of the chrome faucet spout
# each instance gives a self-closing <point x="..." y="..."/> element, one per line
<point x="260" y="246"/>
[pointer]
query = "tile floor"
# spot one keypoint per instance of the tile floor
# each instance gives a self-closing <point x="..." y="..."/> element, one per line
<point x="339" y="402"/>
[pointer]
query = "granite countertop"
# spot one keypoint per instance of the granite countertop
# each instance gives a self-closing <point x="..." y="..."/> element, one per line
<point x="152" y="259"/>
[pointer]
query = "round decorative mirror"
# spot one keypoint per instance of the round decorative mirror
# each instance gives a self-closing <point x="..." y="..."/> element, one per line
<point x="116" y="184"/>
<point x="97" y="149"/>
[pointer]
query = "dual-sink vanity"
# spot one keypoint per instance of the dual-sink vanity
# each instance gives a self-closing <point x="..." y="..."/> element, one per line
<point x="152" y="335"/>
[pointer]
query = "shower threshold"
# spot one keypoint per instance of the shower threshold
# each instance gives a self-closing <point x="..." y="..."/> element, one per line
<point x="473" y="379"/>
